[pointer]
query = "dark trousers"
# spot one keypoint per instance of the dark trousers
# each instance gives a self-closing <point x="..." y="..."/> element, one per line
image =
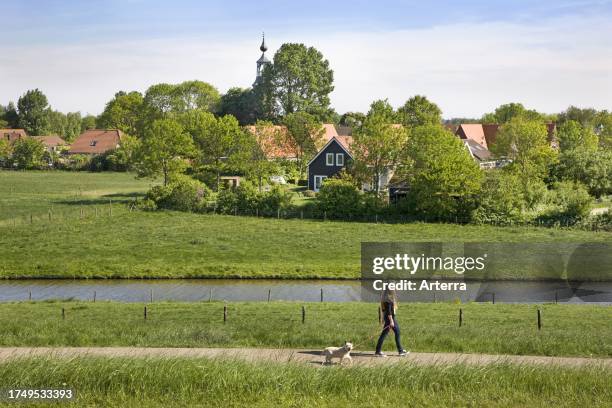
<point x="384" y="333"/>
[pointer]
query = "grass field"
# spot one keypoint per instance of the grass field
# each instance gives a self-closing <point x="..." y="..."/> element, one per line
<point x="25" y="193"/>
<point x="568" y="330"/>
<point x="226" y="383"/>
<point x="176" y="245"/>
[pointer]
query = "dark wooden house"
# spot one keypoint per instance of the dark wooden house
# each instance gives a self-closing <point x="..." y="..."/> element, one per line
<point x="328" y="162"/>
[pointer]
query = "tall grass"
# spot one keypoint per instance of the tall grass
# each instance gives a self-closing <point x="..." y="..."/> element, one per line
<point x="218" y="382"/>
<point x="568" y="330"/>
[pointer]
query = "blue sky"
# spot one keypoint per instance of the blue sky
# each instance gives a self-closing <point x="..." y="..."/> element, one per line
<point x="468" y="56"/>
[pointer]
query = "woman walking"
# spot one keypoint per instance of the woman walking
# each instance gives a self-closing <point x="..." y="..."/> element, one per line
<point x="388" y="305"/>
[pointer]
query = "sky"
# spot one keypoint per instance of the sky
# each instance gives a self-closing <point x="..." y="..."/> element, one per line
<point x="467" y="56"/>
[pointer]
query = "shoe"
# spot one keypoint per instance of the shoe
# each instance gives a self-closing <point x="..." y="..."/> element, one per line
<point x="404" y="353"/>
<point x="380" y="354"/>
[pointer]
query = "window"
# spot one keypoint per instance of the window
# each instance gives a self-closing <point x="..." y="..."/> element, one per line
<point x="318" y="182"/>
<point x="339" y="159"/>
<point x="329" y="159"/>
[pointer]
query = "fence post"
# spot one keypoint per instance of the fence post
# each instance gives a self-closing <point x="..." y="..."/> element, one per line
<point x="151" y="295"/>
<point x="321" y="294"/>
<point x="302" y="214"/>
<point x="81" y="211"/>
<point x="493" y="297"/>
<point x="556" y="297"/>
<point x="31" y="219"/>
<point x="269" y="294"/>
<point x="49" y="215"/>
<point x="63" y="314"/>
<point x="210" y="295"/>
<point x="324" y="215"/>
<point x="278" y="213"/>
<point x="110" y="207"/>
<point x="30" y="296"/>
<point x="145" y="313"/>
<point x="460" y="317"/>
<point x="303" y="314"/>
<point x="224" y="313"/>
<point x="539" y="319"/>
<point x="94" y="298"/>
<point x="434" y="296"/>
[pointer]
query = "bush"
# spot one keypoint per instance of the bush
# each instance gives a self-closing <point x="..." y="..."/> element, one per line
<point x="501" y="199"/>
<point x="569" y="203"/>
<point x="309" y="194"/>
<point x="246" y="199"/>
<point x="339" y="198"/>
<point x="182" y="194"/>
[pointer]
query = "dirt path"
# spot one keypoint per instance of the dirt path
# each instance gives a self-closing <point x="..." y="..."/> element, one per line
<point x="294" y="355"/>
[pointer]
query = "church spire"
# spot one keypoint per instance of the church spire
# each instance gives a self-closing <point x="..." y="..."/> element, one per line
<point x="263" y="60"/>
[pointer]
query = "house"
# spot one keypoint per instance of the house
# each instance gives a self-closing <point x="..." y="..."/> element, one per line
<point x="96" y="141"/>
<point x="274" y="142"/>
<point x="329" y="161"/>
<point x="12" y="135"/>
<point x="486" y="133"/>
<point x="52" y="143"/>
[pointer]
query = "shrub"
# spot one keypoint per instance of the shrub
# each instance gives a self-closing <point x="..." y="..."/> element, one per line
<point x="501" y="199"/>
<point x="275" y="199"/>
<point x="181" y="194"/>
<point x="309" y="194"/>
<point x="246" y="199"/>
<point x="339" y="198"/>
<point x="569" y="202"/>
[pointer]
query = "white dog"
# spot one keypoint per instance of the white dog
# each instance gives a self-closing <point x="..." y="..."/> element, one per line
<point x="342" y="353"/>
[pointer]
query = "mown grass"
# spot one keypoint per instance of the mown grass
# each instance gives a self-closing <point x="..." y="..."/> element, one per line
<point x="568" y="330"/>
<point x="181" y="245"/>
<point x="129" y="382"/>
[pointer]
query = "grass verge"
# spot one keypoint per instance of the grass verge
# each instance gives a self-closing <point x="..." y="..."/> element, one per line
<point x="568" y="330"/>
<point x="182" y="382"/>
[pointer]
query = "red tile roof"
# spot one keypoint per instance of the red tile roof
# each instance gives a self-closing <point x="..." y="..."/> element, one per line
<point x="96" y="141"/>
<point x="274" y="141"/>
<point x="12" y="135"/>
<point x="486" y="133"/>
<point x="50" y="141"/>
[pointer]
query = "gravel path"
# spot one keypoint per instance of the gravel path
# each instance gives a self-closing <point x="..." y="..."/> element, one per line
<point x="294" y="355"/>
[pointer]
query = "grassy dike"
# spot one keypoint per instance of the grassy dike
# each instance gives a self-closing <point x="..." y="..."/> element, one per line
<point x="568" y="330"/>
<point x="182" y="245"/>
<point x="227" y="383"/>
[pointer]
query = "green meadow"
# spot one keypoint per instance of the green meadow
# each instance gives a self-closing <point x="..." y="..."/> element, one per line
<point x="132" y="382"/>
<point x="568" y="330"/>
<point x="83" y="238"/>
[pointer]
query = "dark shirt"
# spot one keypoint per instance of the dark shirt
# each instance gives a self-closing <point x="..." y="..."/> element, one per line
<point x="388" y="308"/>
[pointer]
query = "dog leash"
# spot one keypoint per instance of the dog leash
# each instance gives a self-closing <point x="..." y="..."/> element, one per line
<point x="372" y="337"/>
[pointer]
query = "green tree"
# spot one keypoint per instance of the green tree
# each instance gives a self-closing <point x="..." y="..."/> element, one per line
<point x="28" y="153"/>
<point x="419" y="111"/>
<point x="572" y="135"/>
<point x="6" y="153"/>
<point x="242" y="104"/>
<point x="526" y="143"/>
<point x="266" y="137"/>
<point x="219" y="141"/>
<point x="305" y="132"/>
<point x="444" y="179"/>
<point x="352" y="119"/>
<point x="123" y="112"/>
<point x="196" y="95"/>
<point x="592" y="168"/>
<point x="505" y="113"/>
<point x="68" y="126"/>
<point x="88" y="122"/>
<point x="165" y="147"/>
<point x="9" y="116"/>
<point x="33" y="109"/>
<point x="300" y="80"/>
<point x="377" y="144"/>
<point x="501" y="199"/>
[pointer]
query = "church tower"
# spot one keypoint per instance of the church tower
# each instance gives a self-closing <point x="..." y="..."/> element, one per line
<point x="262" y="61"/>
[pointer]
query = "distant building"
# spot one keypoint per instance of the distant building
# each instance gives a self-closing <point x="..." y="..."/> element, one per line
<point x="329" y="161"/>
<point x="12" y="135"/>
<point x="52" y="143"/>
<point x="262" y="61"/>
<point x="96" y="141"/>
